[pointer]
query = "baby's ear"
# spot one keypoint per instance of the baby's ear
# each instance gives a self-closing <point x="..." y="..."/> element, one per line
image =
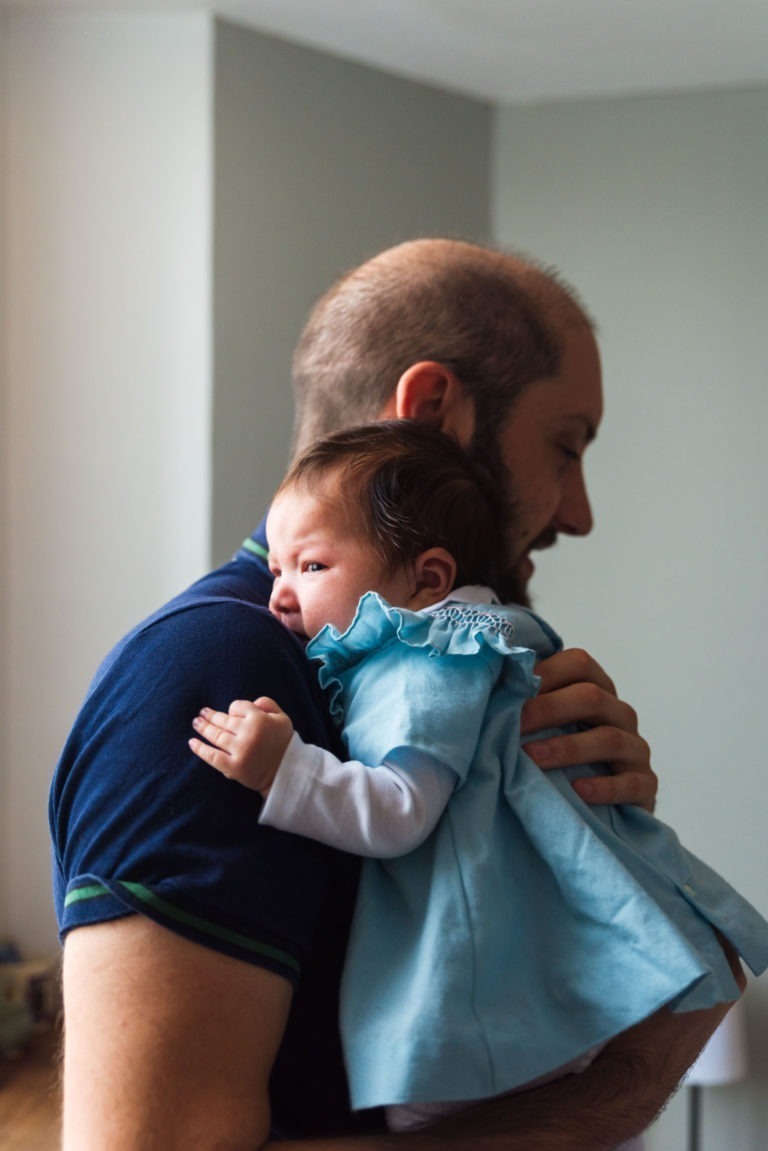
<point x="435" y="572"/>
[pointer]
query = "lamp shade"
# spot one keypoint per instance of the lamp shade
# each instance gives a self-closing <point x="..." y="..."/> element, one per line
<point x="724" y="1059"/>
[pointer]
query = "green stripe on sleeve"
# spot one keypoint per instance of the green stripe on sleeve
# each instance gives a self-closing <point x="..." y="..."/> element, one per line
<point x="92" y="891"/>
<point x="257" y="549"/>
<point x="170" y="912"/>
<point x="244" y="941"/>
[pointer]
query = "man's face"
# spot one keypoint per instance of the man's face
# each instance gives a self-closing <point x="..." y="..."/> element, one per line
<point x="541" y="447"/>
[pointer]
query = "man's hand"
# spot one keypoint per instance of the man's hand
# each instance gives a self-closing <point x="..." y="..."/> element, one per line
<point x="246" y="743"/>
<point x="575" y="689"/>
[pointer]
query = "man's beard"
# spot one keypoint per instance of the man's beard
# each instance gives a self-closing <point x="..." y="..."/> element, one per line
<point x="547" y="539"/>
<point x="513" y="587"/>
<point x="510" y="583"/>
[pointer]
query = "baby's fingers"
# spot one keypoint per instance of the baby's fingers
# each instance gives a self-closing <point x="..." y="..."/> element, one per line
<point x="211" y="755"/>
<point x="218" y="720"/>
<point x="216" y="727"/>
<point x="264" y="703"/>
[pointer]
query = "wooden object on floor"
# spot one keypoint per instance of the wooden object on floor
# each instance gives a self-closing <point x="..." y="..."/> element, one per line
<point x="29" y="1097"/>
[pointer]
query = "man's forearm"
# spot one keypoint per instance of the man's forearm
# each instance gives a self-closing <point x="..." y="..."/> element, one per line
<point x="616" y="1098"/>
<point x="559" y="1117"/>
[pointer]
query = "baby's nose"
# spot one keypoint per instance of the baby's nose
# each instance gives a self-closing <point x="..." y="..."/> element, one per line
<point x="283" y="597"/>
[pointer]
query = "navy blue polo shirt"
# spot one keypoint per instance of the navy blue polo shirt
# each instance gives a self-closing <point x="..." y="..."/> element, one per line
<point x="140" y="824"/>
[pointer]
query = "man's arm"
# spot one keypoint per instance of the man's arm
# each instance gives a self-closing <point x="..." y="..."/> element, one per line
<point x="616" y="1098"/>
<point x="180" y="1041"/>
<point x="575" y="689"/>
<point x="168" y="1045"/>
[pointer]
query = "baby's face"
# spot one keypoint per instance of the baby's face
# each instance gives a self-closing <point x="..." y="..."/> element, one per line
<point x="323" y="564"/>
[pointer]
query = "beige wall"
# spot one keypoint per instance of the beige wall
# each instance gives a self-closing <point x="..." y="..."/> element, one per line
<point x="319" y="163"/>
<point x="120" y="131"/>
<point x="656" y="209"/>
<point x="105" y="260"/>
<point x="5" y="475"/>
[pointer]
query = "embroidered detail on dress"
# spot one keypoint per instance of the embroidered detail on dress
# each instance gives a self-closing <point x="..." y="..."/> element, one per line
<point x="464" y="615"/>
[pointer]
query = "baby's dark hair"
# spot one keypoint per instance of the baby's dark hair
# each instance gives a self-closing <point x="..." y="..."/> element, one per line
<point x="411" y="487"/>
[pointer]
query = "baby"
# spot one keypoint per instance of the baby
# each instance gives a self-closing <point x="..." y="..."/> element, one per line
<point x="504" y="930"/>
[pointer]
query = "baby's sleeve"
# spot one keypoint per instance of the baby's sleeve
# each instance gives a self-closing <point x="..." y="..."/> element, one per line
<point x="379" y="811"/>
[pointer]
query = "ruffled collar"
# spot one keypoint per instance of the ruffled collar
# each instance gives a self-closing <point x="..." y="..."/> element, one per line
<point x="458" y="625"/>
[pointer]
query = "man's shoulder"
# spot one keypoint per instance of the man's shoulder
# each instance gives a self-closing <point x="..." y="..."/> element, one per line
<point x="215" y="642"/>
<point x="227" y="606"/>
<point x="239" y="586"/>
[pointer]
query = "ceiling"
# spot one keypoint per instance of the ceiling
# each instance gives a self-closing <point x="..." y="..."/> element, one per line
<point x="512" y="51"/>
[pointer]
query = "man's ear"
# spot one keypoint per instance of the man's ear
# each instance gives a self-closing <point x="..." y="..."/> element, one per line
<point x="435" y="572"/>
<point x="431" y="392"/>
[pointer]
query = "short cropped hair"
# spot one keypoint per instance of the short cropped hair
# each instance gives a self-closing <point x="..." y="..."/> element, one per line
<point x="410" y="487"/>
<point x="496" y="319"/>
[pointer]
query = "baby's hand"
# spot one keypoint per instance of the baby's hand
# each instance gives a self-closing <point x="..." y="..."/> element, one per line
<point x="246" y="743"/>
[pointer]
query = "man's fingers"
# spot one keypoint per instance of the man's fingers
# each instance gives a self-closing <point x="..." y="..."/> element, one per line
<point x="572" y="666"/>
<point x="577" y="703"/>
<point x="610" y="745"/>
<point x="575" y="690"/>
<point x="627" y="756"/>
<point x="637" y="788"/>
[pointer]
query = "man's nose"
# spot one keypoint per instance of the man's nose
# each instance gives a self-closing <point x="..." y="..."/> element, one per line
<point x="574" y="516"/>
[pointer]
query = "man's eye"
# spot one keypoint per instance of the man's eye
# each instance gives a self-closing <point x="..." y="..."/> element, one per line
<point x="570" y="453"/>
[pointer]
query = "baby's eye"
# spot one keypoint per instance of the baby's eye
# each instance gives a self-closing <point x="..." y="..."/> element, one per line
<point x="315" y="566"/>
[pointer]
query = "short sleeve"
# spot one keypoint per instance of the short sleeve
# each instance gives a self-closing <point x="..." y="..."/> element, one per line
<point x="409" y="697"/>
<point x="140" y="824"/>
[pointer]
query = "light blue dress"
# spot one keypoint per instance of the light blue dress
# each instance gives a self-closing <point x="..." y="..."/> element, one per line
<point x="529" y="927"/>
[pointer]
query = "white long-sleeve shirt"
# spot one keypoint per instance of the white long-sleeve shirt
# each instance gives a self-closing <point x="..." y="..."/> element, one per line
<point x="380" y="811"/>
